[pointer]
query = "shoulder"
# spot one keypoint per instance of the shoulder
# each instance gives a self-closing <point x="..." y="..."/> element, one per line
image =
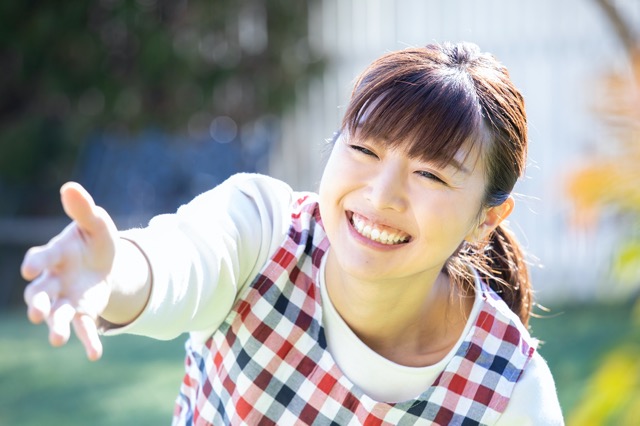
<point x="255" y="184"/>
<point x="271" y="191"/>
<point x="498" y="318"/>
<point x="243" y="194"/>
<point x="501" y="332"/>
<point x="534" y="400"/>
<point x="275" y="196"/>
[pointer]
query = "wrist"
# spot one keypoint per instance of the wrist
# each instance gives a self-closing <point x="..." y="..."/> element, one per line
<point x="129" y="283"/>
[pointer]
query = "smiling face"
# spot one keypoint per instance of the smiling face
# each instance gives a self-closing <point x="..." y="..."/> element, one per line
<point x="390" y="216"/>
<point x="432" y="142"/>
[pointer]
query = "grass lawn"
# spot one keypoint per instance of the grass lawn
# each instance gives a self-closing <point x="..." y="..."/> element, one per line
<point x="135" y="382"/>
<point x="137" y="379"/>
<point x="576" y="338"/>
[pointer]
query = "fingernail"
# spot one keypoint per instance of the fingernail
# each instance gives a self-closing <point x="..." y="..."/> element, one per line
<point x="93" y="354"/>
<point x="55" y="339"/>
<point x="34" y="315"/>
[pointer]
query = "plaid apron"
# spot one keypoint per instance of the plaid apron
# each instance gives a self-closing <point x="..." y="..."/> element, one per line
<point x="268" y="362"/>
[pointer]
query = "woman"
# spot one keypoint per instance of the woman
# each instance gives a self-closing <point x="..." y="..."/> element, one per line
<point x="393" y="296"/>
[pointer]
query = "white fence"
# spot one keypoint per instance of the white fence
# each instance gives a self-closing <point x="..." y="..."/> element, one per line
<point x="555" y="51"/>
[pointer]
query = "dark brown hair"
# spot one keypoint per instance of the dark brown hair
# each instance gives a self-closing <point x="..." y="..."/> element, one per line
<point x="435" y="101"/>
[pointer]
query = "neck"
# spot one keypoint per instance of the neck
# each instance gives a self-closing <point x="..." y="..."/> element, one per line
<point x="413" y="321"/>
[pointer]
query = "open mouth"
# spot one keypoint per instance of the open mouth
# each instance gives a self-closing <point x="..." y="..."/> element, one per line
<point x="376" y="232"/>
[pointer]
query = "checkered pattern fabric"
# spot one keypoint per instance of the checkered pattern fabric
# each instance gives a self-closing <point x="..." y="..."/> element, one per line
<point x="268" y="363"/>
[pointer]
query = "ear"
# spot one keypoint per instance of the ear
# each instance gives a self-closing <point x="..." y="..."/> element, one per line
<point x="491" y="218"/>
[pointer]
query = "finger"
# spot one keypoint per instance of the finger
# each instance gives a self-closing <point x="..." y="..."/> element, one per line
<point x="37" y="259"/>
<point x="85" y="328"/>
<point x="40" y="308"/>
<point x="30" y="267"/>
<point x="38" y="296"/>
<point x="59" y="322"/>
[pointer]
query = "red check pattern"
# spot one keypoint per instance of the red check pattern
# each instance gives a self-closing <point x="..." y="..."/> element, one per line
<point x="268" y="363"/>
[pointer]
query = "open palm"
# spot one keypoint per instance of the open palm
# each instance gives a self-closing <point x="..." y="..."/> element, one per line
<point x="69" y="275"/>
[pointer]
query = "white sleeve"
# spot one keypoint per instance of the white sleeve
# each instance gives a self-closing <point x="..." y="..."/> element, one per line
<point x="534" y="400"/>
<point x="205" y="253"/>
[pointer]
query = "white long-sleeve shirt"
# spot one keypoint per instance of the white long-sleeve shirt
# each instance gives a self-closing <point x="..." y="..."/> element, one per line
<point x="203" y="255"/>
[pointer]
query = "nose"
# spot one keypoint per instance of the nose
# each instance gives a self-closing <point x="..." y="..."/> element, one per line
<point x="387" y="187"/>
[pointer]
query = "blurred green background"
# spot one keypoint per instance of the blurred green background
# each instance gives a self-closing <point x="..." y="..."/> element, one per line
<point x="149" y="102"/>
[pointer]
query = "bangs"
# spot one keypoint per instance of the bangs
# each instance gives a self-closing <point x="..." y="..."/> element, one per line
<point x="429" y="112"/>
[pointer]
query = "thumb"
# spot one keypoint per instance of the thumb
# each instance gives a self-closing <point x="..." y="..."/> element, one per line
<point x="80" y="207"/>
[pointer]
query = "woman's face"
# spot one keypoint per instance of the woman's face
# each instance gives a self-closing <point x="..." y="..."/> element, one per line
<point x="389" y="216"/>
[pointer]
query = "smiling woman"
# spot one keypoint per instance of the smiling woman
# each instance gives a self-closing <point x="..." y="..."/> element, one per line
<point x="392" y="296"/>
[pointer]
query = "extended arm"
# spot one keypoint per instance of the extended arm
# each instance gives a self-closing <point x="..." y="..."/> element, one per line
<point x="198" y="259"/>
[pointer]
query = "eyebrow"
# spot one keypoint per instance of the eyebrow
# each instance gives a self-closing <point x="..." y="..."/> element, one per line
<point x="453" y="163"/>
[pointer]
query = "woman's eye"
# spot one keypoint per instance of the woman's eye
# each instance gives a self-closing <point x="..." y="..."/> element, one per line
<point x="430" y="176"/>
<point x="363" y="150"/>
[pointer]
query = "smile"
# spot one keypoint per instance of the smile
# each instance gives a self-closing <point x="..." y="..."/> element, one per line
<point x="378" y="233"/>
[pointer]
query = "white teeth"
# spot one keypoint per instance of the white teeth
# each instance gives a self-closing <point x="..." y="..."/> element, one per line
<point x="370" y="231"/>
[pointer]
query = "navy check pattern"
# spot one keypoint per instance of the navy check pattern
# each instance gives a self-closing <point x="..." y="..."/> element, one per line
<point x="268" y="363"/>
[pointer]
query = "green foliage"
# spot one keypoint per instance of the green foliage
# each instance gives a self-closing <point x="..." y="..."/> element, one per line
<point x="72" y="68"/>
<point x="612" y="394"/>
<point x="626" y="265"/>
<point x="609" y="182"/>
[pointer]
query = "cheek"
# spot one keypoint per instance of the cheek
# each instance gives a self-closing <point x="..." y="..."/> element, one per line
<point x="327" y="184"/>
<point x="333" y="178"/>
<point x="451" y="218"/>
<point x="327" y="192"/>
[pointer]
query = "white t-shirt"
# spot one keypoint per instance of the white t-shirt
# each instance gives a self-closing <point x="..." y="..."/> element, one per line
<point x="202" y="256"/>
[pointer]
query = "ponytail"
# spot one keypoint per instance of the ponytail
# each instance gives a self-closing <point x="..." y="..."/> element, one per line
<point x="501" y="265"/>
<point x="506" y="272"/>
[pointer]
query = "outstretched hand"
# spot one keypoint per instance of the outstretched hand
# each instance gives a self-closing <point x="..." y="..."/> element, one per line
<point x="69" y="274"/>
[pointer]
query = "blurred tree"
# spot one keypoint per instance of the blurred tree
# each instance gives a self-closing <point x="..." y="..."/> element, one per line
<point x="119" y="66"/>
<point x="610" y="181"/>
